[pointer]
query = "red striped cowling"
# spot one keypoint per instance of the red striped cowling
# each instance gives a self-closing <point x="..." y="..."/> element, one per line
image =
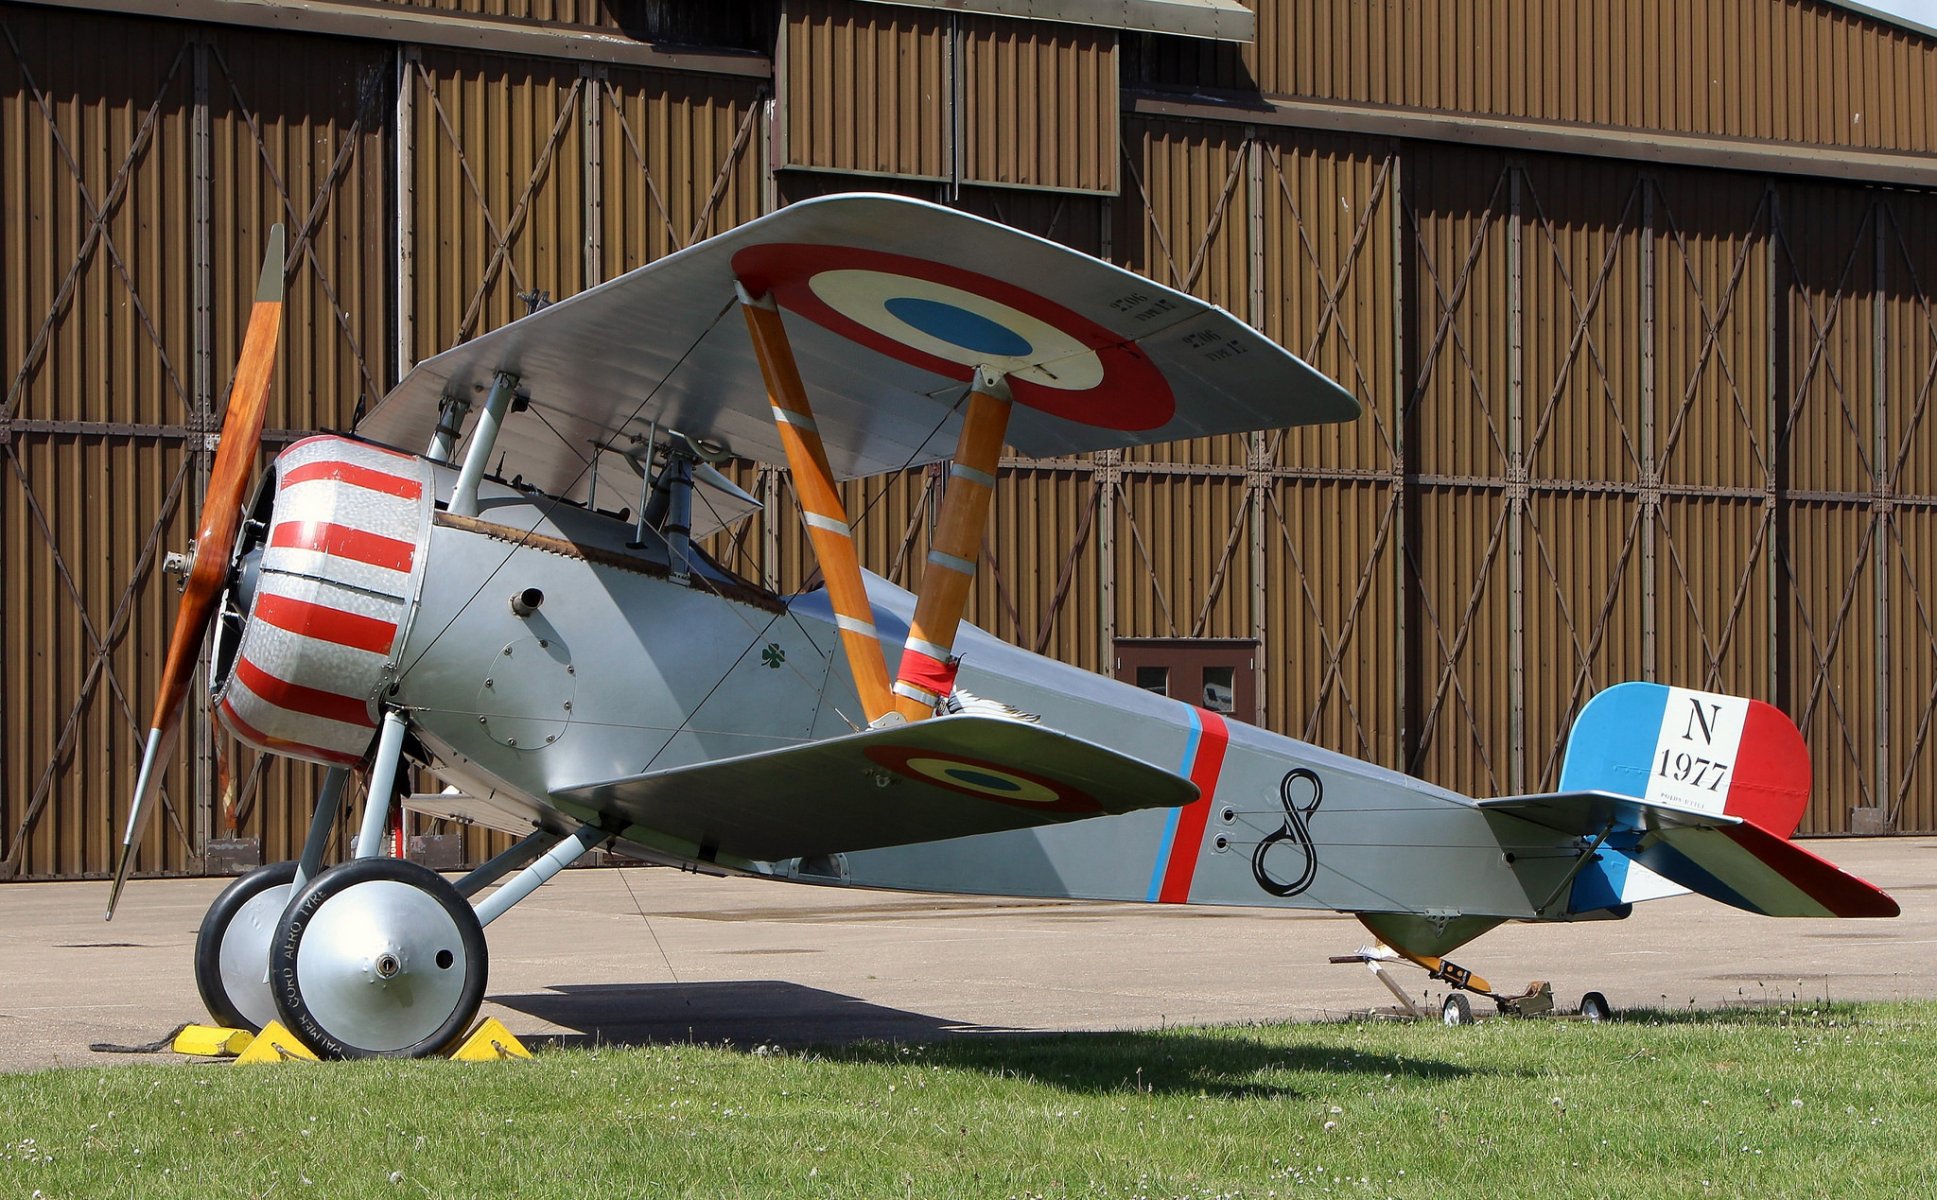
<point x="341" y="566"/>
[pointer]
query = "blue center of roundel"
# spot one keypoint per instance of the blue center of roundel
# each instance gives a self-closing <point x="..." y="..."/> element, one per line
<point x="958" y="326"/>
<point x="982" y="780"/>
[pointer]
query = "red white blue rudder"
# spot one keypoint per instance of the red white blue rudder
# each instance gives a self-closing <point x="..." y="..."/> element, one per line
<point x="1702" y="751"/>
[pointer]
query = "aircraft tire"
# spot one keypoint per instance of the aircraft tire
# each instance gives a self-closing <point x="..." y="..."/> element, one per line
<point x="232" y="947"/>
<point x="1595" y="1008"/>
<point x="378" y="958"/>
<point x="1457" y="1010"/>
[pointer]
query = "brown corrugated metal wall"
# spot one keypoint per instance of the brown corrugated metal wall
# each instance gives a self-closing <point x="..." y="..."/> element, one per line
<point x="1785" y="70"/>
<point x="1621" y="420"/>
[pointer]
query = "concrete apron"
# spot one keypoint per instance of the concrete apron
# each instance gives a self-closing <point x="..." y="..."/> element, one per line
<point x="752" y="962"/>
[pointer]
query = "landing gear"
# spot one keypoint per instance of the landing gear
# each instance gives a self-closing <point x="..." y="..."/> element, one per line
<point x="378" y="957"/>
<point x="375" y="957"/>
<point x="232" y="948"/>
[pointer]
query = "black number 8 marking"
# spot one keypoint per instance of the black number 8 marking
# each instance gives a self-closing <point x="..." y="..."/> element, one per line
<point x="1297" y="831"/>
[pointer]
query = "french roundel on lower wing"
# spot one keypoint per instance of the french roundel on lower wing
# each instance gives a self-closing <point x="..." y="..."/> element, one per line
<point x="985" y="780"/>
<point x="951" y="321"/>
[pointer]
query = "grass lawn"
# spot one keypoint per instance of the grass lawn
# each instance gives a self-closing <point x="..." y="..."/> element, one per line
<point x="1811" y="1100"/>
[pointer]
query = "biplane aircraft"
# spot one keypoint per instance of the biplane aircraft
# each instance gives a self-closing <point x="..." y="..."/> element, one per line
<point x="555" y="647"/>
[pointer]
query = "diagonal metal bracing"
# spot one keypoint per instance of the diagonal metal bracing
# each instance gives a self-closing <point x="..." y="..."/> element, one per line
<point x="1240" y="523"/>
<point x="1450" y="655"/>
<point x="1451" y="299"/>
<point x="1067" y="574"/>
<point x="306" y="223"/>
<point x="101" y="647"/>
<point x="1920" y="404"/>
<point x="1003" y="596"/>
<point x="1122" y="499"/>
<point x="722" y="178"/>
<point x="1184" y="279"/>
<point x="97" y="236"/>
<point x="500" y="259"/>
<point x="1900" y="792"/>
<point x="1329" y="322"/>
<point x="1581" y="340"/>
<point x="1336" y="645"/>
<point x="1715" y="648"/>
<point x="1821" y="330"/>
<point x="1823" y="649"/>
<point x="1583" y="682"/>
<point x="1584" y="313"/>
<point x="1712" y="349"/>
<point x="1451" y="303"/>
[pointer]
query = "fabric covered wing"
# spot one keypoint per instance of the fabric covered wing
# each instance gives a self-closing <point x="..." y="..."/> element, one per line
<point x="948" y="777"/>
<point x="890" y="304"/>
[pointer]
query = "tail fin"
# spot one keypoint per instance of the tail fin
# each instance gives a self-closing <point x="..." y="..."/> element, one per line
<point x="1694" y="750"/>
<point x="1693" y="791"/>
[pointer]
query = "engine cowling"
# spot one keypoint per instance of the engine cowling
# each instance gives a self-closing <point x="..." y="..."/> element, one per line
<point x="328" y="578"/>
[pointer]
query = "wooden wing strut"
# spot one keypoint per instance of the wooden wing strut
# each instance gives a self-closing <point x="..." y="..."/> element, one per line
<point x="820" y="503"/>
<point x="927" y="673"/>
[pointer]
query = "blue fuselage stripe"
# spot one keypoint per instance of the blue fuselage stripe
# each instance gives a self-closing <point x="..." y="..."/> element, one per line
<point x="1164" y="843"/>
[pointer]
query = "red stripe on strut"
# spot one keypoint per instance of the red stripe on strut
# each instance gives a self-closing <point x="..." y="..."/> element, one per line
<point x="250" y="733"/>
<point x="297" y="698"/>
<point x="355" y="476"/>
<point x="1191" y="822"/>
<point x="327" y="624"/>
<point x="327" y="537"/>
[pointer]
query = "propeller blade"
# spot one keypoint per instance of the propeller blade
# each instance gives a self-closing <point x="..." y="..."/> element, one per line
<point x="235" y="462"/>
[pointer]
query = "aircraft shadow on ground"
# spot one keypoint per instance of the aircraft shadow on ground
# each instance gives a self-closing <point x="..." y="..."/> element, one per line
<point x="841" y="1028"/>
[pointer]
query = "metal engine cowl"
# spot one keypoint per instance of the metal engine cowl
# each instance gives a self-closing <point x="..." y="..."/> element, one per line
<point x="328" y="603"/>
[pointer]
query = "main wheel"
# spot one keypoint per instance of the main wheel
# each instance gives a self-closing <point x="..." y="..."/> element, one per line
<point x="232" y="947"/>
<point x="1457" y="1010"/>
<point x="1595" y="1008"/>
<point x="378" y="957"/>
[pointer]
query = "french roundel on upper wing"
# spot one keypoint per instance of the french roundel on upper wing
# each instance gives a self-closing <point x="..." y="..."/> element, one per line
<point x="951" y="321"/>
<point x="984" y="780"/>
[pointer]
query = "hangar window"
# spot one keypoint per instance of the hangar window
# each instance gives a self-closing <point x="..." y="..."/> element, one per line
<point x="1215" y="673"/>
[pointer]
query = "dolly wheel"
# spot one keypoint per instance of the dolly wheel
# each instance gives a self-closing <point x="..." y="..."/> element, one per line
<point x="1457" y="1010"/>
<point x="1595" y="1008"/>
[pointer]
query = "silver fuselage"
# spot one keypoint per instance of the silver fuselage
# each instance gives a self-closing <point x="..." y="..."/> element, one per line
<point x="623" y="671"/>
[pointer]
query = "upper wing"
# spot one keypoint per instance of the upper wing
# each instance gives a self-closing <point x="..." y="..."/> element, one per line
<point x="943" y="778"/>
<point x="890" y="303"/>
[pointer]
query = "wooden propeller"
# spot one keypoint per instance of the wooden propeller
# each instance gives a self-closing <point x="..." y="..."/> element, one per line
<point x="208" y="573"/>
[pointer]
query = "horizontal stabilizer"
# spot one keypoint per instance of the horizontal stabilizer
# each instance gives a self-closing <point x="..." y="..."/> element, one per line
<point x="942" y="778"/>
<point x="1720" y="856"/>
<point x="1751" y="868"/>
<point x="1591" y="813"/>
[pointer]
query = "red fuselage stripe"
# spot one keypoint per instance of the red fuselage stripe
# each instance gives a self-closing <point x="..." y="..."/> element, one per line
<point x="355" y="476"/>
<point x="327" y="624"/>
<point x="1204" y="770"/>
<point x="326" y="537"/>
<point x="245" y="730"/>
<point x="295" y="697"/>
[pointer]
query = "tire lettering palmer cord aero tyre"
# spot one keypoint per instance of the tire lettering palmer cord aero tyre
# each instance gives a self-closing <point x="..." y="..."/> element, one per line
<point x="378" y="957"/>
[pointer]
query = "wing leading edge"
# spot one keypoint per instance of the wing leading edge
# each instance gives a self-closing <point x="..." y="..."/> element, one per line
<point x="944" y="778"/>
<point x="890" y="304"/>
